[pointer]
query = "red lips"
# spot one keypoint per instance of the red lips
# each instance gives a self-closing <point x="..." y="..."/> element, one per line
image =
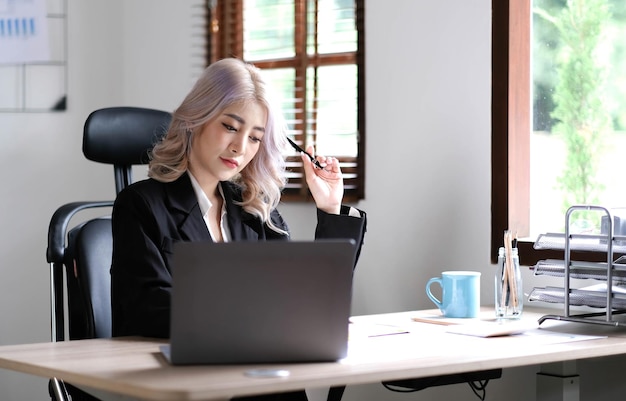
<point x="230" y="163"/>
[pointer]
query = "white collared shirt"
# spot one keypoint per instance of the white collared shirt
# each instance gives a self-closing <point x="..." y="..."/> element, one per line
<point x="205" y="205"/>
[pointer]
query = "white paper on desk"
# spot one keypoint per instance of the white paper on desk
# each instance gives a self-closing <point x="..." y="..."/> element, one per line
<point x="492" y="329"/>
<point x="522" y="330"/>
<point x="375" y="330"/>
<point x="392" y="348"/>
<point x="543" y="337"/>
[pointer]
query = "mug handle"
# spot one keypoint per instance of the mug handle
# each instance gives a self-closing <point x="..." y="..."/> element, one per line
<point x="430" y="294"/>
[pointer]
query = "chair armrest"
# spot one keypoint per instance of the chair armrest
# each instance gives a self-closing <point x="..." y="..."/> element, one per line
<point x="58" y="227"/>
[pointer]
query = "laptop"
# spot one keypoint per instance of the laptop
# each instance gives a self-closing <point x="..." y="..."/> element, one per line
<point x="260" y="302"/>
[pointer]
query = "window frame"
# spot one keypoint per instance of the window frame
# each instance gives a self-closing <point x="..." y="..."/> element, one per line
<point x="510" y="132"/>
<point x="510" y="107"/>
<point x="226" y="40"/>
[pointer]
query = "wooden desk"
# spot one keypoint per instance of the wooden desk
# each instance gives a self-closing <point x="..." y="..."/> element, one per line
<point x="135" y="367"/>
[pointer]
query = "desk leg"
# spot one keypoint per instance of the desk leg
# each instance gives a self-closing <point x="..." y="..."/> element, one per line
<point x="558" y="382"/>
<point x="57" y="390"/>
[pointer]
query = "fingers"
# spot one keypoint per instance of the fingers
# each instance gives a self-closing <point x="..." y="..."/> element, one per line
<point x="326" y="183"/>
<point x="330" y="164"/>
<point x="311" y="151"/>
<point x="307" y="164"/>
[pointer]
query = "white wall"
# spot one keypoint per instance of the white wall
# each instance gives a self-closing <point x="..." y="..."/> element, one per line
<point x="428" y="127"/>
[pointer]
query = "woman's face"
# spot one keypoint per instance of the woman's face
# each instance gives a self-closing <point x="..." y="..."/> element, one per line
<point x="227" y="143"/>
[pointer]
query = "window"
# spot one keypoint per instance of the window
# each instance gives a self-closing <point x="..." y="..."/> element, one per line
<point x="531" y="108"/>
<point x="510" y="111"/>
<point x="312" y="52"/>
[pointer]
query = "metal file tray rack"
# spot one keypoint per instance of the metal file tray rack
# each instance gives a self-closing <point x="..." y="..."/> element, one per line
<point x="610" y="294"/>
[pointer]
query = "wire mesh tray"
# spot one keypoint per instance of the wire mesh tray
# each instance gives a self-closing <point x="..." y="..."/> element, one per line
<point x="577" y="297"/>
<point x="580" y="242"/>
<point x="579" y="270"/>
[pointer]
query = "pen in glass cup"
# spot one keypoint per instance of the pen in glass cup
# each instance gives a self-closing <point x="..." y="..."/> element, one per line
<point x="299" y="149"/>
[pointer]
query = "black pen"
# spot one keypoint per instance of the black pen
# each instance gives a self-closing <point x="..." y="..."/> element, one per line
<point x="299" y="149"/>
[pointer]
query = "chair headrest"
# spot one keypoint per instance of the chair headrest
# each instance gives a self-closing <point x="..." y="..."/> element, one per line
<point x="123" y="135"/>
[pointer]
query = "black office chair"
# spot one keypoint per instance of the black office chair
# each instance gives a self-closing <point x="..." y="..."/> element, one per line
<point x="121" y="136"/>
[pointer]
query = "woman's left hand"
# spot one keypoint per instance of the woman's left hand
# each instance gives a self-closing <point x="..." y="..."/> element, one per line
<point x="326" y="184"/>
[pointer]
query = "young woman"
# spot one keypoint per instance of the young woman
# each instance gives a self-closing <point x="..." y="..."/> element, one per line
<point x="217" y="175"/>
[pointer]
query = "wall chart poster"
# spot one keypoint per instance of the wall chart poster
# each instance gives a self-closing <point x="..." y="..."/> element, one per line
<point x="23" y="32"/>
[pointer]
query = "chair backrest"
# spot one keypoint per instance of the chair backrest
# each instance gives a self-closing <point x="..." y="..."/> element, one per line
<point x="121" y="136"/>
<point x="89" y="298"/>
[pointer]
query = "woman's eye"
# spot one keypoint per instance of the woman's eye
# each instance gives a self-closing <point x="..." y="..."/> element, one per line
<point x="255" y="139"/>
<point x="229" y="127"/>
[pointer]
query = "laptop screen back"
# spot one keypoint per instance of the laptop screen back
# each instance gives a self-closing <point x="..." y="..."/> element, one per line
<point x="258" y="302"/>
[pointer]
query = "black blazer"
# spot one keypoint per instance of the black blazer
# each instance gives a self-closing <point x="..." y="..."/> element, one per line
<point x="149" y="216"/>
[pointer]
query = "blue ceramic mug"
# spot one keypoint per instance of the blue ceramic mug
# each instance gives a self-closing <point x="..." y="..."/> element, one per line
<point x="460" y="293"/>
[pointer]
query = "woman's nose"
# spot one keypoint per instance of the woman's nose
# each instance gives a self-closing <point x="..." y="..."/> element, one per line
<point x="238" y="145"/>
